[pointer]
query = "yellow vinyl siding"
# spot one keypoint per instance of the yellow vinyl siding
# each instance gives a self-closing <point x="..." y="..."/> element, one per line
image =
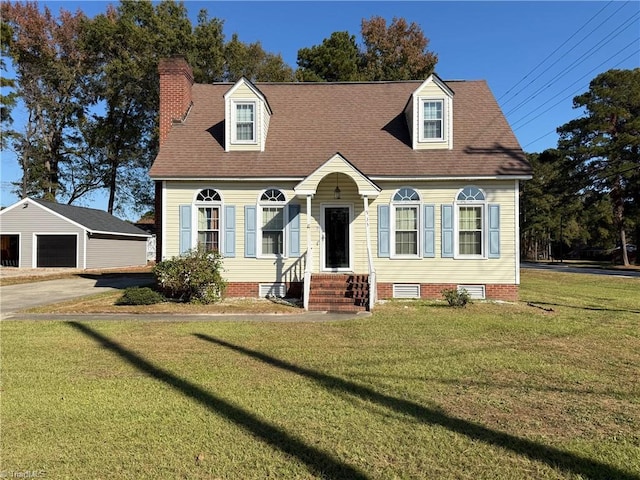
<point x="450" y="270"/>
<point x="239" y="194"/>
<point x="421" y="270"/>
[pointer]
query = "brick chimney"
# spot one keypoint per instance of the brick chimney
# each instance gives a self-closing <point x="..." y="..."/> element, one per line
<point x="176" y="79"/>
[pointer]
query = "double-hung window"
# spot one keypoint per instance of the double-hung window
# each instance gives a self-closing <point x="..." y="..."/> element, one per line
<point x="406" y="223"/>
<point x="208" y="219"/>
<point x="470" y="209"/>
<point x="432" y="120"/>
<point x="244" y="122"/>
<point x="272" y="222"/>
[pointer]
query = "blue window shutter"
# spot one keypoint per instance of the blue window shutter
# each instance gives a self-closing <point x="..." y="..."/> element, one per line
<point x="185" y="228"/>
<point x="429" y="231"/>
<point x="447" y="231"/>
<point x="229" y="248"/>
<point x="383" y="230"/>
<point x="294" y="230"/>
<point x="249" y="231"/>
<point x="494" y="230"/>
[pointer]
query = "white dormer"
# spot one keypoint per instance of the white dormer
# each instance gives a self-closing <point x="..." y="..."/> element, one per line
<point x="429" y="115"/>
<point x="247" y="115"/>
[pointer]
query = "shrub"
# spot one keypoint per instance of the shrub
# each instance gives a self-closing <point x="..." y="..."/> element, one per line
<point x="455" y="297"/>
<point x="195" y="276"/>
<point x="140" y="296"/>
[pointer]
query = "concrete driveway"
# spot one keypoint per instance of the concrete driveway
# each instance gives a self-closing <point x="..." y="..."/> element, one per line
<point x="14" y="298"/>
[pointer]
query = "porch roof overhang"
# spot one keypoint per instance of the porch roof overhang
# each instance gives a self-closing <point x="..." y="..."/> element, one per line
<point x="337" y="164"/>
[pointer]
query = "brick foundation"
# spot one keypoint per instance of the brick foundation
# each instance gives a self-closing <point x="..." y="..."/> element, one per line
<point x="385" y="290"/>
<point x="434" y="291"/>
<point x="252" y="289"/>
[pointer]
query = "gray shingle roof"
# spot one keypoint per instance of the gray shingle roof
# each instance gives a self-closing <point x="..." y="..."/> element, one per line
<point x="362" y="121"/>
<point x="92" y="219"/>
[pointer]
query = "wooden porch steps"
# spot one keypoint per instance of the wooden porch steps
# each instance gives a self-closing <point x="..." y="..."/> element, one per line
<point x="339" y="292"/>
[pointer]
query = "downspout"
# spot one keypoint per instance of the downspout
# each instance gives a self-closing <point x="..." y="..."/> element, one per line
<point x="309" y="258"/>
<point x="372" y="270"/>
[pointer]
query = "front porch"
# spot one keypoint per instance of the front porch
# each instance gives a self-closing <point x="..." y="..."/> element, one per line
<point x="339" y="270"/>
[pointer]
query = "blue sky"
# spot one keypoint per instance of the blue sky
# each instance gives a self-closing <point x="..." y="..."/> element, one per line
<point x="535" y="56"/>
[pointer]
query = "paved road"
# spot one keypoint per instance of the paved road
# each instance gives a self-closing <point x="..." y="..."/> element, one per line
<point x="14" y="298"/>
<point x="566" y="267"/>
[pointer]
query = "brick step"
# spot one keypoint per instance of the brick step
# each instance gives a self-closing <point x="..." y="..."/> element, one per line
<point x="332" y="307"/>
<point x="339" y="292"/>
<point x="313" y="298"/>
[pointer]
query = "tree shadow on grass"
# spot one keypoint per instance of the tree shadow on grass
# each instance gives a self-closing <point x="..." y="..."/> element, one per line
<point x="534" y="303"/>
<point x="320" y="463"/>
<point x="551" y="456"/>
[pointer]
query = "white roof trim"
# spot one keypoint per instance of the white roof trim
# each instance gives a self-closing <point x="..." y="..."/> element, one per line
<point x="433" y="78"/>
<point x="15" y="205"/>
<point x="432" y="178"/>
<point x="373" y="192"/>
<point x="36" y="204"/>
<point x="123" y="234"/>
<point x="252" y="87"/>
<point x="231" y="179"/>
<point x="68" y="220"/>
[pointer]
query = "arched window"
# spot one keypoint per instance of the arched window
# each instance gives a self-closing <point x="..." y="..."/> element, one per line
<point x="272" y="214"/>
<point x="208" y="206"/>
<point x="208" y="195"/>
<point x="470" y="212"/>
<point x="405" y="221"/>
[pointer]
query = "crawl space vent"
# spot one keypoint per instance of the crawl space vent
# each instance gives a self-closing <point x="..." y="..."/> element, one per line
<point x="273" y="290"/>
<point x="476" y="292"/>
<point x="406" y="291"/>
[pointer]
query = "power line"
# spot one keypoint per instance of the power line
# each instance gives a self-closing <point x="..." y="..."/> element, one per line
<point x="570" y="50"/>
<point x="576" y="91"/>
<point x="578" y="61"/>
<point x="540" y="138"/>
<point x="553" y="53"/>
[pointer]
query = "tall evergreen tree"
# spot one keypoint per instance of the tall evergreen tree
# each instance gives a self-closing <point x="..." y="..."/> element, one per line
<point x="396" y="52"/>
<point x="337" y="59"/>
<point x="604" y="144"/>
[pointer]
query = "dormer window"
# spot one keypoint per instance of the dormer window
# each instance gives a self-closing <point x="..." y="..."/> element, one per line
<point x="244" y="122"/>
<point x="432" y="115"/>
<point x="429" y="115"/>
<point x="246" y="119"/>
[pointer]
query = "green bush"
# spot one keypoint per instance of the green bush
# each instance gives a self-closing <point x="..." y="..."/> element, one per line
<point x="140" y="296"/>
<point x="455" y="297"/>
<point x="194" y="277"/>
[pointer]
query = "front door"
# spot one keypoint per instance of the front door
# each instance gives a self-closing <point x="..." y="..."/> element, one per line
<point x="336" y="238"/>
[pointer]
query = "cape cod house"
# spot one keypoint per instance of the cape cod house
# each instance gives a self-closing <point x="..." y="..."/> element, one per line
<point x="343" y="192"/>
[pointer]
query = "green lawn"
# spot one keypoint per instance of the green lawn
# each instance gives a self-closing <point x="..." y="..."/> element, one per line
<point x="417" y="390"/>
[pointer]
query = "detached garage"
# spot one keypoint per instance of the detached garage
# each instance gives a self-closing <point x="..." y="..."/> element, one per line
<point x="40" y="234"/>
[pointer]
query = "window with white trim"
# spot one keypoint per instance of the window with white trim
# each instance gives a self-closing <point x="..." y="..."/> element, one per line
<point x="471" y="228"/>
<point x="432" y="120"/>
<point x="244" y="122"/>
<point x="272" y="213"/>
<point x="208" y="206"/>
<point x="405" y="221"/>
